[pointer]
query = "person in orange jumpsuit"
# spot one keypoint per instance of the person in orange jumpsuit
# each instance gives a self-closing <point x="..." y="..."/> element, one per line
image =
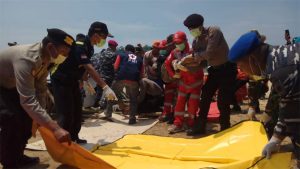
<point x="189" y="85"/>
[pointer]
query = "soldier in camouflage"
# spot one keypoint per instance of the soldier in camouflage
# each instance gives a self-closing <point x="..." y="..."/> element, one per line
<point x="281" y="64"/>
<point x="103" y="63"/>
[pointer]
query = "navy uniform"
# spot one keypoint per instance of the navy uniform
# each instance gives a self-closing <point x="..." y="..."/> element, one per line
<point x="103" y="63"/>
<point x="282" y="68"/>
<point x="66" y="91"/>
<point x="23" y="88"/>
<point x="66" y="78"/>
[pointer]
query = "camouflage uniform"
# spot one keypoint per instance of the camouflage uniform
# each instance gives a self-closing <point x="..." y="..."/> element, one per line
<point x="272" y="109"/>
<point x="103" y="63"/>
<point x="256" y="90"/>
<point x="283" y="71"/>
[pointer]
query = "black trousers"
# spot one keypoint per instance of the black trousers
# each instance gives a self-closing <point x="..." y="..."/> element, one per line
<point x="68" y="106"/>
<point x="222" y="79"/>
<point x="15" y="128"/>
<point x="237" y="86"/>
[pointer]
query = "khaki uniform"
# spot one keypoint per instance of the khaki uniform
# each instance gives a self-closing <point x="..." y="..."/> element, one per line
<point x="24" y="68"/>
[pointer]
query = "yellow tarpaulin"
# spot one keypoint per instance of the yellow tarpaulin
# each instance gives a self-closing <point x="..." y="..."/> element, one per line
<point x="236" y="148"/>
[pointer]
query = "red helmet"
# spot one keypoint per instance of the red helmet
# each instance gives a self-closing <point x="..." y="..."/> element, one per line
<point x="179" y="37"/>
<point x="162" y="44"/>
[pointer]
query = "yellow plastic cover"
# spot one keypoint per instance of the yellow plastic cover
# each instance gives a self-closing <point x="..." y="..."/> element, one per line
<point x="236" y="148"/>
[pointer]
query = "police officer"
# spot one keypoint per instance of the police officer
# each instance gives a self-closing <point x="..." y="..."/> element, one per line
<point x="281" y="65"/>
<point x="23" y="72"/>
<point x="65" y="80"/>
<point x="210" y="45"/>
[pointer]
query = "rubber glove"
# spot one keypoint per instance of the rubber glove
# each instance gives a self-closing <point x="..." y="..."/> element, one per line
<point x="108" y="93"/>
<point x="271" y="147"/>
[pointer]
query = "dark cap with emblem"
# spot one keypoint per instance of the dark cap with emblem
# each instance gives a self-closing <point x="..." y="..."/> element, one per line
<point x="100" y="28"/>
<point x="193" y="21"/>
<point x="60" y="37"/>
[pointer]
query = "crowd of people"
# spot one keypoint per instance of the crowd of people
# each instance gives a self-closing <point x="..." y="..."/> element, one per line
<point x="183" y="79"/>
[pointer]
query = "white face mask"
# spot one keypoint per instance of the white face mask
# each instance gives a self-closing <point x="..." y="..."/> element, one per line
<point x="101" y="43"/>
<point x="58" y="60"/>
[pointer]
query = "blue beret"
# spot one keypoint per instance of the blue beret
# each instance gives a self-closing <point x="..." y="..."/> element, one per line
<point x="243" y="46"/>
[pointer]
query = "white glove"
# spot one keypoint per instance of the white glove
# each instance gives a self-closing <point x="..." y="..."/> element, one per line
<point x="251" y="114"/>
<point x="181" y="67"/>
<point x="265" y="118"/>
<point x="108" y="93"/>
<point x="271" y="147"/>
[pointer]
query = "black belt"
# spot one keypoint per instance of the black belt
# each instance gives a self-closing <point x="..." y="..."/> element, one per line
<point x="222" y="66"/>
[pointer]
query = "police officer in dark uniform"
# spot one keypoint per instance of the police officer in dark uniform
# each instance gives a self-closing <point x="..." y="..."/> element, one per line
<point x="281" y="64"/>
<point x="66" y="78"/>
<point x="23" y="89"/>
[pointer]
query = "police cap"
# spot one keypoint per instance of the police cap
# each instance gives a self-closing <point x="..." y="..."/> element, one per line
<point x="99" y="27"/>
<point x="60" y="37"/>
<point x="193" y="21"/>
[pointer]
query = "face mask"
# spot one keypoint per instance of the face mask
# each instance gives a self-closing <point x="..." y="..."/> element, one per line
<point x="101" y="43"/>
<point x="195" y="32"/>
<point x="58" y="60"/>
<point x="162" y="52"/>
<point x="180" y="46"/>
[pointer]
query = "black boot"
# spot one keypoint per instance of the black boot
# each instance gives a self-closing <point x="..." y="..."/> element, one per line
<point x="132" y="121"/>
<point x="26" y="160"/>
<point x="199" y="128"/>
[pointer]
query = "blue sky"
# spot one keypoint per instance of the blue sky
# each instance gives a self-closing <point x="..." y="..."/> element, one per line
<point x="142" y="21"/>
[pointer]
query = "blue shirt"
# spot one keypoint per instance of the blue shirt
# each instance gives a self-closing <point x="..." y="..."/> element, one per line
<point x="130" y="67"/>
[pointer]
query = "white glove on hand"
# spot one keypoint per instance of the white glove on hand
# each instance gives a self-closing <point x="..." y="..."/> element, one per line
<point x="181" y="67"/>
<point x="272" y="146"/>
<point x="109" y="94"/>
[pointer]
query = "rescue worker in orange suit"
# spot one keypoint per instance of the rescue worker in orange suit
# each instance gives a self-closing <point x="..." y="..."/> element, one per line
<point x="189" y="85"/>
<point x="170" y="90"/>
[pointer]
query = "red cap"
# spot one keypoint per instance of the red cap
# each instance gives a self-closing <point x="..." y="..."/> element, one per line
<point x="179" y="37"/>
<point x="112" y="43"/>
<point x="163" y="44"/>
